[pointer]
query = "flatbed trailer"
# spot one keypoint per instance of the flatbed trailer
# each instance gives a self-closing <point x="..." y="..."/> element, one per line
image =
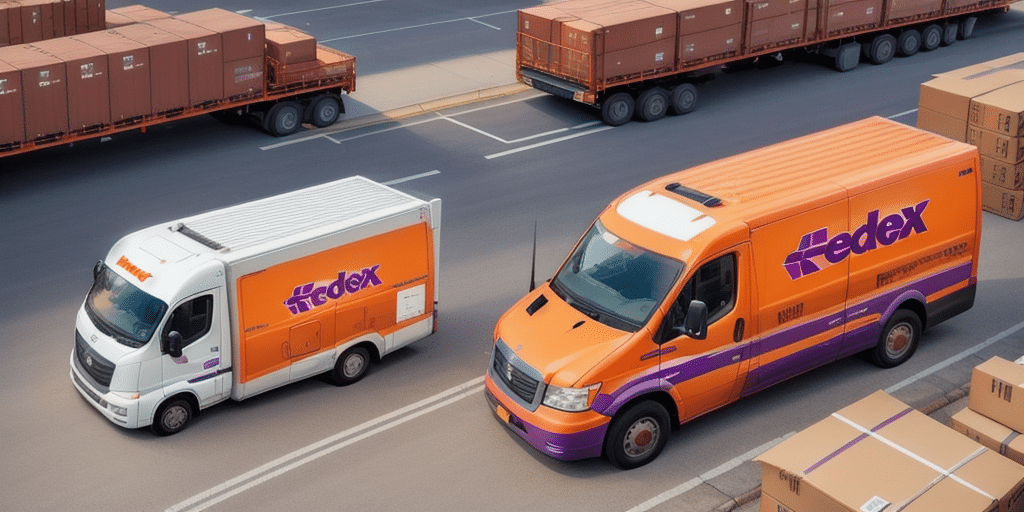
<point x="626" y="59"/>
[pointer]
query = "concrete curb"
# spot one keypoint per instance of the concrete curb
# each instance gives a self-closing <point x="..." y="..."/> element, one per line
<point x="429" y="106"/>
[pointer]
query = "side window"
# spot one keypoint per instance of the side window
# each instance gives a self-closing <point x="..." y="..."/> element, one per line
<point x="714" y="284"/>
<point x="191" y="319"/>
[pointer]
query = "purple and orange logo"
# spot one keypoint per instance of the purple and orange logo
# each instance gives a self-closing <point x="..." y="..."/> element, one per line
<point x="309" y="295"/>
<point x="867" y="237"/>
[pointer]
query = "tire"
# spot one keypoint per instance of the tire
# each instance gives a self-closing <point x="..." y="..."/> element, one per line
<point x="637" y="435"/>
<point x="931" y="37"/>
<point x="351" y="366"/>
<point x="652" y="104"/>
<point x="966" y="27"/>
<point x="882" y="49"/>
<point x="898" y="340"/>
<point x="949" y="32"/>
<point x="908" y="43"/>
<point x="284" y="118"/>
<point x="617" y="109"/>
<point x="172" y="417"/>
<point x="683" y="99"/>
<point x="848" y="57"/>
<point x="324" y="110"/>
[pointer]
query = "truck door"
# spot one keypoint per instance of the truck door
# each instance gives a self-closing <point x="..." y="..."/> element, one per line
<point x="709" y="373"/>
<point x="195" y="319"/>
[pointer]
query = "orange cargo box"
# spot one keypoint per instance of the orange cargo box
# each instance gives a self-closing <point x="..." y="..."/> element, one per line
<point x="908" y="9"/>
<point x="5" y="17"/>
<point x="696" y="16"/>
<point x="786" y="28"/>
<point x="140" y="13"/>
<point x="205" y="59"/>
<point x="12" y="111"/>
<point x="168" y="65"/>
<point x="1005" y="175"/>
<point x="716" y="42"/>
<point x="766" y="9"/>
<point x="88" y="79"/>
<point x="243" y="78"/>
<point x="290" y="46"/>
<point x="990" y="434"/>
<point x="128" y="65"/>
<point x="1005" y="203"/>
<point x="113" y="20"/>
<point x="44" y="92"/>
<point x="853" y="16"/>
<point x="241" y="36"/>
<point x="879" y="453"/>
<point x="997" y="390"/>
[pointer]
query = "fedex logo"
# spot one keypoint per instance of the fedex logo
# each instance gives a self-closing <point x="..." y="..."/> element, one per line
<point x="867" y="237"/>
<point x="309" y="295"/>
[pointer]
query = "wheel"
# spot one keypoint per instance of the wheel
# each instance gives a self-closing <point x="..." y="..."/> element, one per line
<point x="848" y="56"/>
<point x="966" y="27"/>
<point x="351" y="366"/>
<point x="931" y="37"/>
<point x="898" y="340"/>
<point x="882" y="49"/>
<point x="949" y="32"/>
<point x="172" y="417"/>
<point x="652" y="104"/>
<point x="684" y="98"/>
<point x="908" y="43"/>
<point x="637" y="435"/>
<point x="617" y="109"/>
<point x="283" y="119"/>
<point x="324" y="111"/>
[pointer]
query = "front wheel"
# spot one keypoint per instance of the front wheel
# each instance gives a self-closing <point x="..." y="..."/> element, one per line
<point x="172" y="417"/>
<point x="898" y="340"/>
<point x="351" y="366"/>
<point x="637" y="435"/>
<point x="617" y="109"/>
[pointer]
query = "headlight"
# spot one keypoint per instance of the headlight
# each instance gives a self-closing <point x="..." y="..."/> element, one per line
<point x="126" y="396"/>
<point x="570" y="399"/>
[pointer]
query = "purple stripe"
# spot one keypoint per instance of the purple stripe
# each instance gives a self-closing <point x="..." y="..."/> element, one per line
<point x="856" y="440"/>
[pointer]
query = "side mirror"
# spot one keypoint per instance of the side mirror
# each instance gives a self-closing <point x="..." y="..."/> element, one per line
<point x="696" y="323"/>
<point x="96" y="269"/>
<point x="174" y="344"/>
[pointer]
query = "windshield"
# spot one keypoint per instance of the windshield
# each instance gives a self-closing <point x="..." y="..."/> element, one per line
<point x="122" y="310"/>
<point x="614" y="281"/>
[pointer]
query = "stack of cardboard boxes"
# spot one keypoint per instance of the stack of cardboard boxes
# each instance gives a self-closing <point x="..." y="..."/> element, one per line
<point x="994" y="415"/>
<point x="28" y="21"/>
<point x="983" y="105"/>
<point x="880" y="454"/>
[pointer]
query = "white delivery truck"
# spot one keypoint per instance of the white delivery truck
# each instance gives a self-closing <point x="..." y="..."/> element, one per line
<point x="241" y="300"/>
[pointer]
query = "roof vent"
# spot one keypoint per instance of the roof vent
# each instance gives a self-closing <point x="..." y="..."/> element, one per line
<point x="185" y="230"/>
<point x="693" y="195"/>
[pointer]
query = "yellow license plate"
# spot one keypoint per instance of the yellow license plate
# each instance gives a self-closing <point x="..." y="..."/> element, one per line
<point x="503" y="414"/>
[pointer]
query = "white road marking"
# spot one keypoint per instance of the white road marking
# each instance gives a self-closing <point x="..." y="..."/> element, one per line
<point x="413" y="177"/>
<point x="319" y="9"/>
<point x="901" y="114"/>
<point x="545" y="143"/>
<point x="484" y="24"/>
<point x="326" y="446"/>
<point x="468" y="18"/>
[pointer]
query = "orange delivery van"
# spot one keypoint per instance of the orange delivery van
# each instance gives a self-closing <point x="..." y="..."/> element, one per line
<point x="710" y="284"/>
<point x="237" y="301"/>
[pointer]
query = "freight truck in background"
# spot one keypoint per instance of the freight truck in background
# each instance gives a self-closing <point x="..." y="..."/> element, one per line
<point x="150" y="68"/>
<point x="238" y="301"/>
<point x="713" y="283"/>
<point x="645" y="57"/>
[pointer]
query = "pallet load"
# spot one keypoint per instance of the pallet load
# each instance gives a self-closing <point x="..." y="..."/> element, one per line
<point x="983" y="104"/>
<point x="994" y="415"/>
<point x="28" y="21"/>
<point x="880" y="454"/>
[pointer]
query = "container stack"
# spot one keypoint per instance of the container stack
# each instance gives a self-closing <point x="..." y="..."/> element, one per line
<point x="994" y="415"/>
<point x="880" y="454"/>
<point x="983" y="105"/>
<point x="28" y="21"/>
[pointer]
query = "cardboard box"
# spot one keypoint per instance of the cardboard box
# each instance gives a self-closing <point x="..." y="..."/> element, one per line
<point x="290" y="46"/>
<point x="44" y="90"/>
<point x="128" y="72"/>
<point x="996" y="145"/>
<point x="990" y="433"/>
<point x="720" y="41"/>
<point x="1001" y="110"/>
<point x="769" y="504"/>
<point x="879" y="453"/>
<point x="88" y="81"/>
<point x="857" y="15"/>
<point x="942" y="124"/>
<point x="1000" y="173"/>
<point x="774" y="31"/>
<point x="1006" y="203"/>
<point x="696" y="16"/>
<point x="12" y="110"/>
<point x="952" y="96"/>
<point x="997" y="389"/>
<point x="168" y="65"/>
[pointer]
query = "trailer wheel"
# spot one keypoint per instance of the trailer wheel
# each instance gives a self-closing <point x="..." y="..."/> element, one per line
<point x="617" y="109"/>
<point x="908" y="43"/>
<point x="652" y="104"/>
<point x="324" y="110"/>
<point x="637" y="435"/>
<point x="882" y="49"/>
<point x="283" y="119"/>
<point x="172" y="417"/>
<point x="898" y="340"/>
<point x="351" y="366"/>
<point x="949" y="32"/>
<point x="846" y="56"/>
<point x="966" y="27"/>
<point x="684" y="98"/>
<point x="931" y="37"/>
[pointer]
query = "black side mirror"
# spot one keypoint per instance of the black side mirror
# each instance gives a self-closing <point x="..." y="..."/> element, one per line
<point x="96" y="269"/>
<point x="174" y="344"/>
<point x="696" y="323"/>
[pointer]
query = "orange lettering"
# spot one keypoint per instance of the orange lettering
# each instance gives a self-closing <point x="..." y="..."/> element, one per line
<point x="132" y="269"/>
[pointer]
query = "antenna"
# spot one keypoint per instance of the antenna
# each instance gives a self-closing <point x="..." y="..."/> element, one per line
<point x="533" y="263"/>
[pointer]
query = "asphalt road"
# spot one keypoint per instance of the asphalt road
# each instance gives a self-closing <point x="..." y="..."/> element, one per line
<point x="416" y="434"/>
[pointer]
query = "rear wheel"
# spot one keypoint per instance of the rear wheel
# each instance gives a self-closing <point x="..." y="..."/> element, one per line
<point x="931" y="37"/>
<point x="966" y="27"/>
<point x="684" y="98"/>
<point x="637" y="435"/>
<point x="652" y="104"/>
<point x="324" y="110"/>
<point x="617" y="109"/>
<point x="898" y="340"/>
<point x="284" y="118"/>
<point x="949" y="32"/>
<point x="882" y="49"/>
<point x="909" y="42"/>
<point x="847" y="57"/>
<point x="351" y="366"/>
<point x="172" y="417"/>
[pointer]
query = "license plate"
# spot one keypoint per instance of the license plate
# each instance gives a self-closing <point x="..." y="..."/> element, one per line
<point x="503" y="414"/>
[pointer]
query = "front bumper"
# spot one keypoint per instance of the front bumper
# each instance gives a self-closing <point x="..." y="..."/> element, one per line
<point x="105" y="403"/>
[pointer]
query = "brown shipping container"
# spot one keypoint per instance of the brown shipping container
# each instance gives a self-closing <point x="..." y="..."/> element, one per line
<point x="44" y="91"/>
<point x="205" y="62"/>
<point x="14" y="23"/>
<point x="811" y="30"/>
<point x="650" y="57"/>
<point x="141" y="13"/>
<point x="82" y="16"/>
<point x="787" y="28"/>
<point x="852" y="16"/>
<point x="168" y="65"/>
<point x="69" y="17"/>
<point x="32" y="21"/>
<point x="88" y="81"/>
<point x="959" y="4"/>
<point x="5" y="31"/>
<point x="114" y="20"/>
<point x="12" y="110"/>
<point x="633" y="24"/>
<point x="909" y="9"/>
<point x="543" y="22"/>
<point x="766" y="9"/>
<point x="243" y="78"/>
<point x="696" y="16"/>
<point x="96" y="10"/>
<point x="242" y="37"/>
<point x="582" y="42"/>
<point x="290" y="46"/>
<point x="723" y="41"/>
<point x="59" y="26"/>
<point x="128" y="65"/>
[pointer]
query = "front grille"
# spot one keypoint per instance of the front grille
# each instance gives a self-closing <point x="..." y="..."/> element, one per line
<point x="524" y="386"/>
<point x="95" y="365"/>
